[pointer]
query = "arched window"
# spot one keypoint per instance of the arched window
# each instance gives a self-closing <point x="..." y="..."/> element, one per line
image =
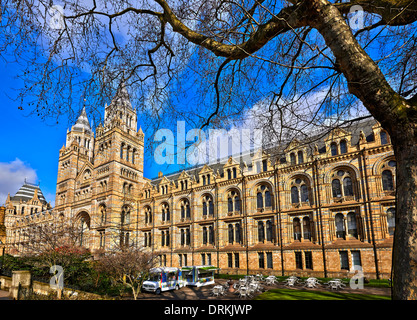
<point x="208" y="179"/>
<point x="122" y="146"/>
<point x="391" y="221"/>
<point x="234" y="173"/>
<point x="269" y="230"/>
<point x="343" y="178"/>
<point x="340" y="226"/>
<point x="347" y="186"/>
<point x="208" y="206"/>
<point x="333" y="149"/>
<point x="211" y="235"/>
<point x="261" y="231"/>
<point x="297" y="228"/>
<point x="185" y="209"/>
<point x="148" y="215"/>
<point x="306" y="228"/>
<point x="167" y="242"/>
<point x="263" y="197"/>
<point x="300" y="157"/>
<point x="204" y="208"/>
<point x="238" y="231"/>
<point x="230" y="227"/>
<point x="233" y="201"/>
<point x="165" y="212"/>
<point x="229" y="204"/>
<point x="182" y="237"/>
<point x="84" y="226"/>
<point x="351" y="224"/>
<point x="204" y="235"/>
<point x="127" y="153"/>
<point x="125" y="217"/>
<point x="294" y="195"/>
<point x="103" y="214"/>
<point x="336" y="189"/>
<point x="387" y="180"/>
<point x="299" y="188"/>
<point x="304" y="193"/>
<point x="268" y="202"/>
<point x="237" y="204"/>
<point x="229" y="174"/>
<point x="343" y="146"/>
<point x="259" y="200"/>
<point x="204" y="180"/>
<point x="384" y="137"/>
<point x="211" y="208"/>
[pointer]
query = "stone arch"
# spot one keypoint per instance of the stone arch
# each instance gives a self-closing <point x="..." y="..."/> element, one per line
<point x="377" y="167"/>
<point x="83" y="214"/>
<point x="340" y="165"/>
<point x="287" y="183"/>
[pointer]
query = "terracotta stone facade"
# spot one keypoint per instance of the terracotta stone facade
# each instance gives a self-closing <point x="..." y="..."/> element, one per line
<point x="317" y="208"/>
<point x="318" y="214"/>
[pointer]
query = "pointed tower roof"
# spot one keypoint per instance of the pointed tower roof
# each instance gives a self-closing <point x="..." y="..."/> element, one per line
<point x="82" y="123"/>
<point x="8" y="198"/>
<point x="122" y="97"/>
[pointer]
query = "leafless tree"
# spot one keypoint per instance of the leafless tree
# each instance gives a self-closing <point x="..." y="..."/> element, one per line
<point x="129" y="266"/>
<point x="49" y="236"/>
<point x="208" y="62"/>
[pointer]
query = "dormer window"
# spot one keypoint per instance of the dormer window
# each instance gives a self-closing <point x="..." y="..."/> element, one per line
<point x="231" y="173"/>
<point x="300" y="157"/>
<point x="343" y="146"/>
<point x="384" y="137"/>
<point x="184" y="185"/>
<point x="333" y="149"/>
<point x="292" y="159"/>
<point x="264" y="165"/>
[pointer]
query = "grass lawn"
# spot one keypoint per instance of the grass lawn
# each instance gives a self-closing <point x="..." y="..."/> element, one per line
<point x="291" y="294"/>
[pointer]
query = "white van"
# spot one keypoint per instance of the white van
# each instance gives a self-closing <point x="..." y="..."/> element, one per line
<point x="199" y="275"/>
<point x="164" y="279"/>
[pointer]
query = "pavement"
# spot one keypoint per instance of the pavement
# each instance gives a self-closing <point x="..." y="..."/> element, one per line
<point x="203" y="293"/>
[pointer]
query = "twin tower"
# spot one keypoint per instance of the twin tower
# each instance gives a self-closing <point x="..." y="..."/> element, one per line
<point x="100" y="175"/>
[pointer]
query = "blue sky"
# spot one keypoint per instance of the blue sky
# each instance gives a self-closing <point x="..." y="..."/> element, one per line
<point x="29" y="146"/>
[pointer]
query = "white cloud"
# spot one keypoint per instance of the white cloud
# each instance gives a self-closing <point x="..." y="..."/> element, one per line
<point x="12" y="177"/>
<point x="50" y="197"/>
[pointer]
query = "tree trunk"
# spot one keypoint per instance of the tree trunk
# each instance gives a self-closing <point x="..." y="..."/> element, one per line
<point x="405" y="236"/>
<point x="398" y="116"/>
